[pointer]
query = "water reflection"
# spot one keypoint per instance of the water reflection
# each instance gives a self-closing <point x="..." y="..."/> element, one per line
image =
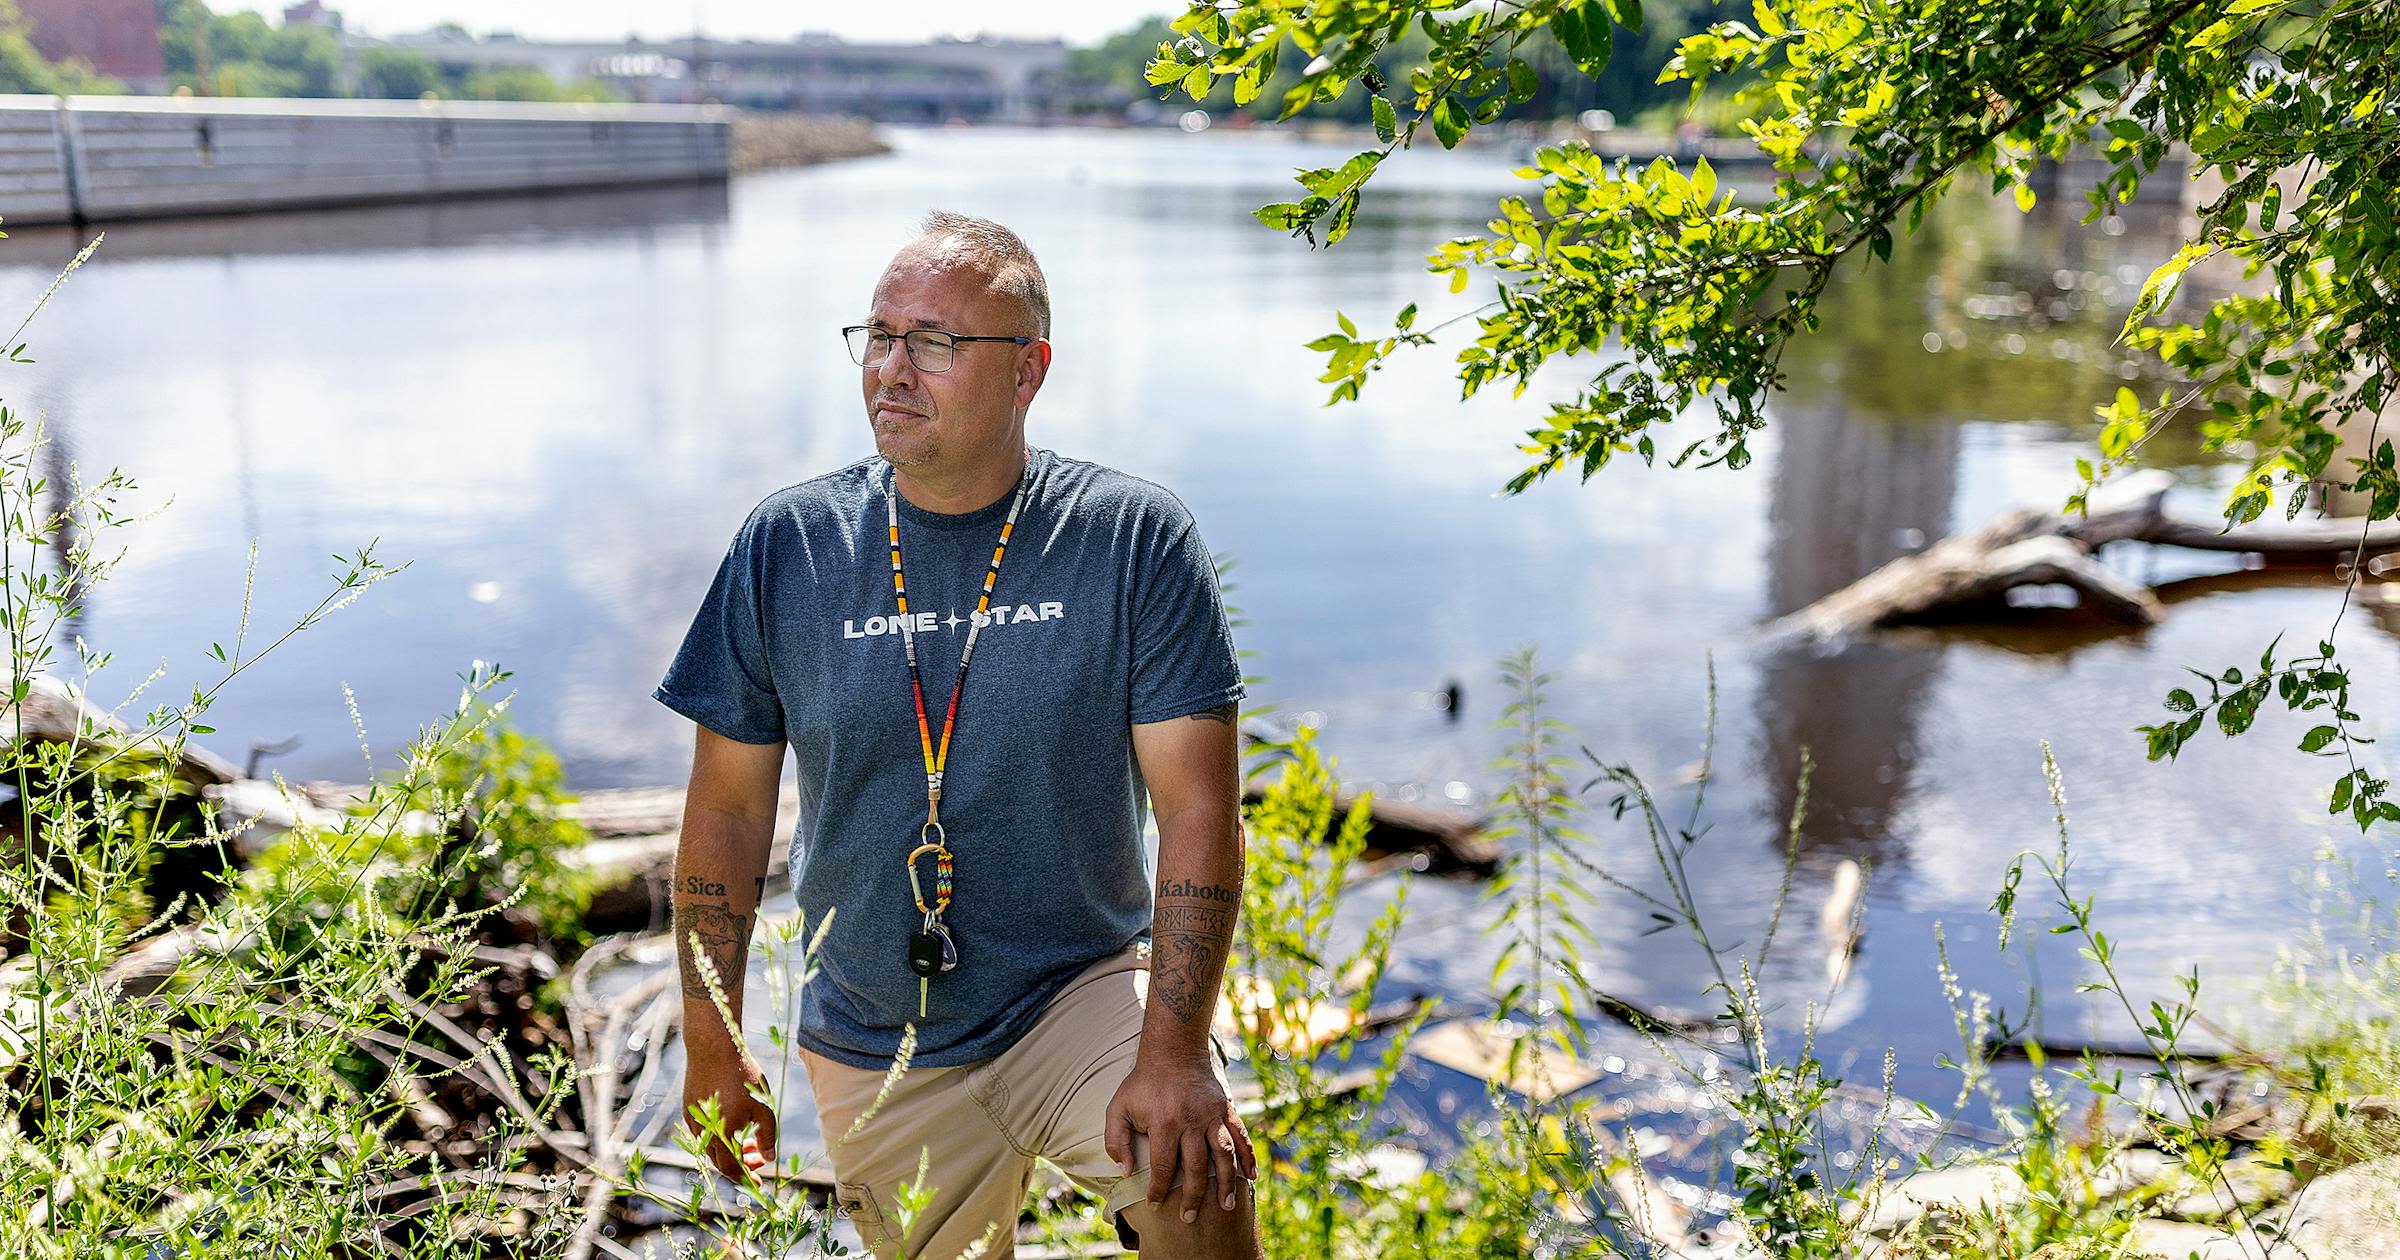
<point x="1851" y="492"/>
<point x="551" y="217"/>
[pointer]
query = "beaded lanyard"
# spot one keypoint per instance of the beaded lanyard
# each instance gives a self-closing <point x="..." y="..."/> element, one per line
<point x="931" y="949"/>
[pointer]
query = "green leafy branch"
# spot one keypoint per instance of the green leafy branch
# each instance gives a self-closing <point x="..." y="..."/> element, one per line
<point x="2305" y="685"/>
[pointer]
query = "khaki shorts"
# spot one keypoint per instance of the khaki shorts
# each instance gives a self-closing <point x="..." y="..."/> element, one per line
<point x="980" y="1126"/>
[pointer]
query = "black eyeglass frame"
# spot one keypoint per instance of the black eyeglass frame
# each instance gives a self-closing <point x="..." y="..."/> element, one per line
<point x="909" y="346"/>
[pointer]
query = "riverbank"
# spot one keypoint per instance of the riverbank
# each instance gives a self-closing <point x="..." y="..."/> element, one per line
<point x="767" y="141"/>
<point x="558" y="1035"/>
<point x="2256" y="1160"/>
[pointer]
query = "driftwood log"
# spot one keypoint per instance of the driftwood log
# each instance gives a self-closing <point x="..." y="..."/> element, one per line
<point x="56" y="711"/>
<point x="631" y="851"/>
<point x="1434" y="839"/>
<point x="2032" y="547"/>
<point x="634" y="831"/>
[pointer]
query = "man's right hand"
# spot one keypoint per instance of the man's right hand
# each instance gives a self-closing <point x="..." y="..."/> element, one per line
<point x="720" y="872"/>
<point x="738" y="1155"/>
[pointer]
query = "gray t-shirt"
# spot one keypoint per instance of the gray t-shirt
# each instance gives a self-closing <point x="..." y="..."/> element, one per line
<point x="1106" y="614"/>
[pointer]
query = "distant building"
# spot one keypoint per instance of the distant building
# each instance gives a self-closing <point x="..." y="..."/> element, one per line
<point x="979" y="80"/>
<point x="118" y="37"/>
<point x="311" y="13"/>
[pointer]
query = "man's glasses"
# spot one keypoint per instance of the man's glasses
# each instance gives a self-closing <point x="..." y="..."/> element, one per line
<point x="930" y="349"/>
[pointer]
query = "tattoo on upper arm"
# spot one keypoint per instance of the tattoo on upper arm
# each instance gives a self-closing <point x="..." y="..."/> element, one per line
<point x="1190" y="930"/>
<point x="724" y="939"/>
<point x="1222" y="715"/>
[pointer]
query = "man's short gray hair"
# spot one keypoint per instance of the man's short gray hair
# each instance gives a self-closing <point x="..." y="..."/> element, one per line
<point x="999" y="253"/>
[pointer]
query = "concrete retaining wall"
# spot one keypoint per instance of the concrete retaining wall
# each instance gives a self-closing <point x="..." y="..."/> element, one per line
<point x="101" y="158"/>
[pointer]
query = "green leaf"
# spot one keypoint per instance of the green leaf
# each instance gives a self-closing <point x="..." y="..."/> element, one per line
<point x="1198" y="82"/>
<point x="1627" y="12"/>
<point x="1266" y="61"/>
<point x="1246" y="84"/>
<point x="2161" y="286"/>
<point x="2218" y="33"/>
<point x="2234" y="716"/>
<point x="1523" y="83"/>
<point x="1283" y="214"/>
<point x="1344" y="210"/>
<point x="2317" y="738"/>
<point x="1387" y="120"/>
<point x="1449" y="122"/>
<point x="1332" y="182"/>
<point x="1585" y="35"/>
<point x="1164" y="69"/>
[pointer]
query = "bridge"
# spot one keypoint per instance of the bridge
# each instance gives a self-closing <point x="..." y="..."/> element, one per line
<point x="982" y="80"/>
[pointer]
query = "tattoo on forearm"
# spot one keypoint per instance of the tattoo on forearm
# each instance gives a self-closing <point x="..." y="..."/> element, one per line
<point x="1222" y="715"/>
<point x="724" y="939"/>
<point x="1190" y="931"/>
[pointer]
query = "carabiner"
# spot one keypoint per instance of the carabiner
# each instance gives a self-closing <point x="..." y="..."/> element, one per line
<point x="941" y="876"/>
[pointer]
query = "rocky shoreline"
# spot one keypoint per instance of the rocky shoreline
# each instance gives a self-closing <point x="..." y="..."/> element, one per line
<point x="764" y="142"/>
<point x="2250" y="1209"/>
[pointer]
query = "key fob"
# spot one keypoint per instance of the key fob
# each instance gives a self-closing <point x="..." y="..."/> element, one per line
<point x="927" y="953"/>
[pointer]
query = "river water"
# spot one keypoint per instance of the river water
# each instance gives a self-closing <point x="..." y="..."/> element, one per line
<point x="557" y="408"/>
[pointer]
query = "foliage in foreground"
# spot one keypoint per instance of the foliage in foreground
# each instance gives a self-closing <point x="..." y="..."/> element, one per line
<point x="222" y="1073"/>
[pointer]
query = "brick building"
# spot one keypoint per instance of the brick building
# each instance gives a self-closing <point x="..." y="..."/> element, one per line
<point x="118" y="37"/>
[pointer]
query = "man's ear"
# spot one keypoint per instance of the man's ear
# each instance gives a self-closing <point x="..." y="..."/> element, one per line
<point x="1032" y="371"/>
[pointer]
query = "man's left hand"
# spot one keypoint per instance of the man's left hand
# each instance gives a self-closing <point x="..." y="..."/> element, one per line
<point x="1181" y="1106"/>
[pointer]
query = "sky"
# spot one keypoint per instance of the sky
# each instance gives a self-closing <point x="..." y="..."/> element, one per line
<point x="1076" y="21"/>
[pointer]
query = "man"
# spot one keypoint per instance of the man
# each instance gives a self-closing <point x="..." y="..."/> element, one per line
<point x="977" y="843"/>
